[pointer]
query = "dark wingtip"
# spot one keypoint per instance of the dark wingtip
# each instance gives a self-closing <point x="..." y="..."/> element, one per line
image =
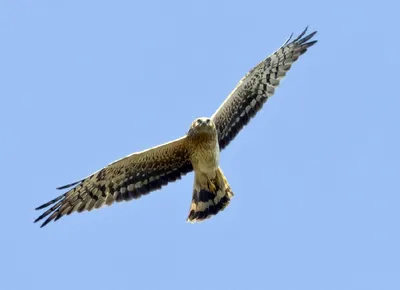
<point x="38" y="219"/>
<point x="41" y="207"/>
<point x="69" y="185"/>
<point x="42" y="216"/>
<point x="290" y="37"/>
<point x="307" y="38"/>
<point x="45" y="223"/>
<point x="300" y="35"/>
<point x="54" y="216"/>
<point x="50" y="202"/>
<point x="311" y="43"/>
<point x="53" y="210"/>
<point x="301" y="39"/>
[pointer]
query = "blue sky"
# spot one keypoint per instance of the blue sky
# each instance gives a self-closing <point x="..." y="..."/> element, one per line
<point x="315" y="174"/>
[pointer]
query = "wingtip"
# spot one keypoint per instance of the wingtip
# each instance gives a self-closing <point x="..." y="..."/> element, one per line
<point x="38" y="218"/>
<point x="51" y="202"/>
<point x="41" y="207"/>
<point x="311" y="43"/>
<point x="44" y="223"/>
<point x="289" y="38"/>
<point x="69" y="185"/>
<point x="300" y="39"/>
<point x="49" y="219"/>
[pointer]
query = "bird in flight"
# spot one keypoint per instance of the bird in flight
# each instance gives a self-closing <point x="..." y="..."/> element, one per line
<point x="199" y="150"/>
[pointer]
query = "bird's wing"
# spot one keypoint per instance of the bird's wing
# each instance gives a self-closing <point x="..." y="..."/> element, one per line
<point x="256" y="87"/>
<point x="130" y="177"/>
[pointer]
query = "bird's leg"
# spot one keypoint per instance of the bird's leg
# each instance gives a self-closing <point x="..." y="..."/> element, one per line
<point x="211" y="185"/>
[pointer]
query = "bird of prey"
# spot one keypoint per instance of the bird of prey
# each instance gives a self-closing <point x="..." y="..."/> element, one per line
<point x="199" y="150"/>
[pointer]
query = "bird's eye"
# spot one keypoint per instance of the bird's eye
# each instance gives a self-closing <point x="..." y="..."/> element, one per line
<point x="208" y="121"/>
<point x="198" y="121"/>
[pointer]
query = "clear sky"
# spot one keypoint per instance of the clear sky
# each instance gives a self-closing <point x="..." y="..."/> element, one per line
<point x="316" y="174"/>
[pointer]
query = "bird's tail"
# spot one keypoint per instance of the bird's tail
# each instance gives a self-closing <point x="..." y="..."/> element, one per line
<point x="209" y="196"/>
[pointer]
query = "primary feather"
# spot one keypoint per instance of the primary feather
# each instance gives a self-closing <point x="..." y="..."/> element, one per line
<point x="254" y="89"/>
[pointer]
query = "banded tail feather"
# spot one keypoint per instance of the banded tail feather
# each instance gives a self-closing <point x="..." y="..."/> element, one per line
<point x="209" y="196"/>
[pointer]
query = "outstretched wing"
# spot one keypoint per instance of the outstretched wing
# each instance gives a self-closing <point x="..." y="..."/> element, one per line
<point x="256" y="87"/>
<point x="130" y="177"/>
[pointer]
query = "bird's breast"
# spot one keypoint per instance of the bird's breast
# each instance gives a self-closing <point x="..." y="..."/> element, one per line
<point x="205" y="156"/>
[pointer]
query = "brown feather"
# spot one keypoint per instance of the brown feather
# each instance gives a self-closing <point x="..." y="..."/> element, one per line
<point x="254" y="89"/>
<point x="127" y="178"/>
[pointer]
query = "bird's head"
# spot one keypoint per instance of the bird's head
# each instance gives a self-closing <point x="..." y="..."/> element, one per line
<point x="202" y="125"/>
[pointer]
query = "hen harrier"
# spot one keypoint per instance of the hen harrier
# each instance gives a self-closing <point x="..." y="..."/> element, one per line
<point x="142" y="172"/>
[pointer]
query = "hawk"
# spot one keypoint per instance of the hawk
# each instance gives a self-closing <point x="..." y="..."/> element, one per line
<point x="199" y="150"/>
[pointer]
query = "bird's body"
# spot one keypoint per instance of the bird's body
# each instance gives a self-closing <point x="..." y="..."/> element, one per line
<point x="211" y="191"/>
<point x="204" y="148"/>
<point x="199" y="150"/>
